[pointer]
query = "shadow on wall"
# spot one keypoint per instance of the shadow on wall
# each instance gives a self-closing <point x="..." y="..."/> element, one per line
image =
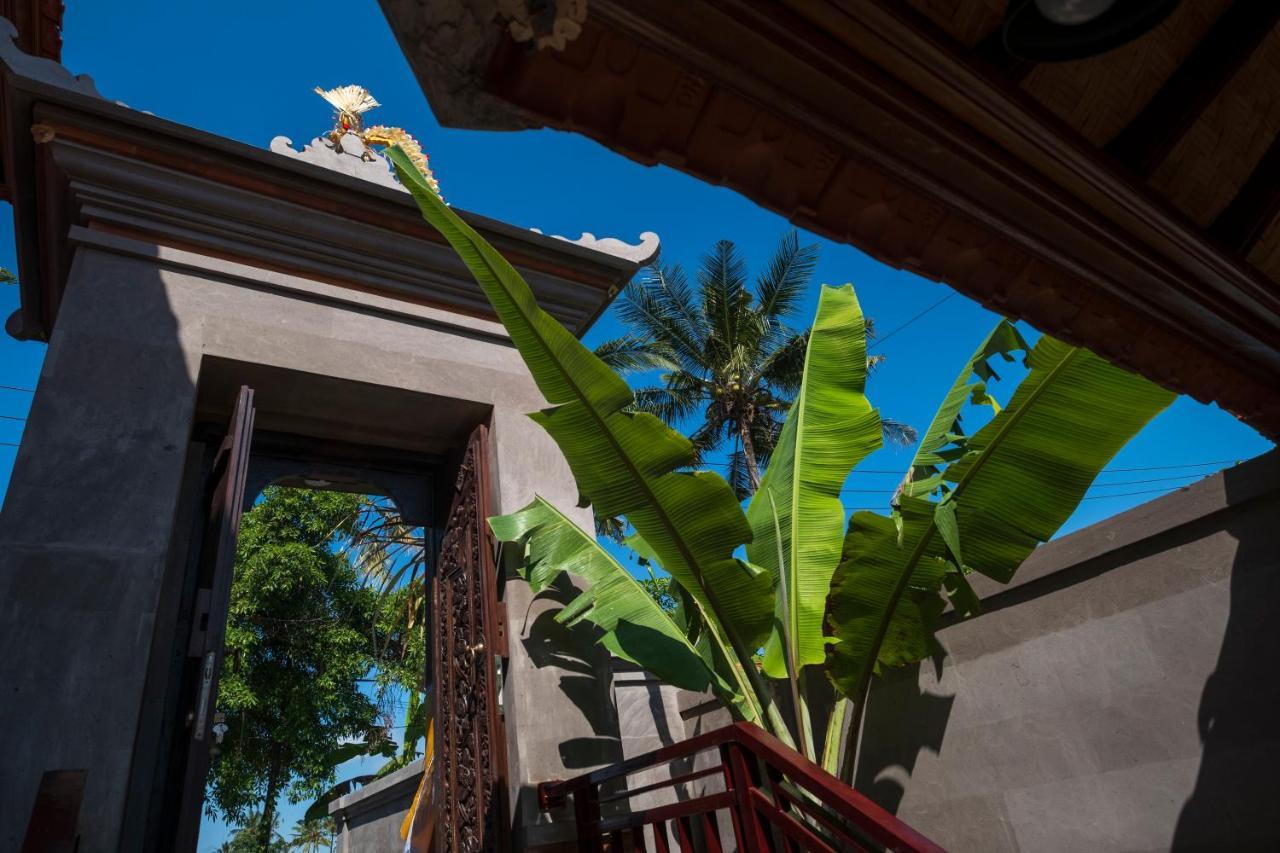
<point x="572" y="649"/>
<point x="1214" y="547"/>
<point x="91" y="612"/>
<point x="1238" y="785"/>
<point x="912" y="721"/>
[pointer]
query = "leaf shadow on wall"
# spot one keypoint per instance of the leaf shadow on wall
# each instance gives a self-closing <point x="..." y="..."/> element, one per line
<point x="902" y="720"/>
<point x="1233" y="802"/>
<point x="585" y="679"/>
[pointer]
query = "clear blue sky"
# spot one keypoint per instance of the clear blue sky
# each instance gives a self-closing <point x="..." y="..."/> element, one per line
<point x="245" y="70"/>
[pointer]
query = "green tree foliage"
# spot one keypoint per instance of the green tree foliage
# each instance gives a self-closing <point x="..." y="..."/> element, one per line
<point x="728" y="356"/>
<point x="968" y="503"/>
<point x="298" y="638"/>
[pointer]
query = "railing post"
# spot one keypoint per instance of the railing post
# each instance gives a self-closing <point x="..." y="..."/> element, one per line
<point x="752" y="837"/>
<point x="586" y="811"/>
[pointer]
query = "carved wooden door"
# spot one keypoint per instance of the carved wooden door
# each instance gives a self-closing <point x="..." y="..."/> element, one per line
<point x="213" y="599"/>
<point x="470" y="750"/>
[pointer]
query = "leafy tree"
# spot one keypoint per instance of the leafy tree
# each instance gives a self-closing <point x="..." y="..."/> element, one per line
<point x="967" y="503"/>
<point x="298" y="641"/>
<point x="728" y="356"/>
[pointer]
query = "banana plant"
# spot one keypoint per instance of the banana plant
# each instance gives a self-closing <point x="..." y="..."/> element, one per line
<point x="818" y="596"/>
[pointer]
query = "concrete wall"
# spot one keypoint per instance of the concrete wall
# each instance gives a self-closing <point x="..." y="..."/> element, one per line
<point x="369" y="819"/>
<point x="1120" y="695"/>
<point x="86" y="527"/>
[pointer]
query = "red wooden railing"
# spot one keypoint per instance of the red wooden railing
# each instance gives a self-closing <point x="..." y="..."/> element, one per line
<point x="768" y="798"/>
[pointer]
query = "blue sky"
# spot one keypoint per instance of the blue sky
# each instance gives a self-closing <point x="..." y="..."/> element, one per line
<point x="245" y="70"/>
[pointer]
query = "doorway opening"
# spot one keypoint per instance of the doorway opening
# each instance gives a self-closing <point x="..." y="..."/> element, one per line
<point x="299" y="659"/>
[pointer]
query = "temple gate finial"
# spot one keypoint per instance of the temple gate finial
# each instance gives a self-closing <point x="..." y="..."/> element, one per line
<point x="350" y="103"/>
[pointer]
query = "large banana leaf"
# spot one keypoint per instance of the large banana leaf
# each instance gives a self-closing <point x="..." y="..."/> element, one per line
<point x="1018" y="480"/>
<point x="634" y="627"/>
<point x="796" y="516"/>
<point x="925" y="473"/>
<point x="624" y="462"/>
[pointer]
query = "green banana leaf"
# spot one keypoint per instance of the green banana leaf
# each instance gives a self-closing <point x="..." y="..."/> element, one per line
<point x="830" y="429"/>
<point x="634" y="627"/>
<point x="871" y="566"/>
<point x="1019" y="478"/>
<point x="624" y="462"/>
<point x="924" y="475"/>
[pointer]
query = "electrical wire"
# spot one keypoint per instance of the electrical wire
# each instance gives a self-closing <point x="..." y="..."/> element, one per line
<point x="17" y="388"/>
<point x="1129" y="494"/>
<point x="881" y="339"/>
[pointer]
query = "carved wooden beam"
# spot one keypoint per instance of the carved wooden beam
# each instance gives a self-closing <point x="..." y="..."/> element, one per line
<point x="851" y="121"/>
<point x="1147" y="140"/>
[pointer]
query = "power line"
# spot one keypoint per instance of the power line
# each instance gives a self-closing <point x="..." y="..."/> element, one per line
<point x="1150" y="480"/>
<point x="8" y="443"/>
<point x="880" y="340"/>
<point x="1107" y="471"/>
<point x="12" y="418"/>
<point x="17" y="388"/>
<point x="1173" y="467"/>
<point x="1128" y="494"/>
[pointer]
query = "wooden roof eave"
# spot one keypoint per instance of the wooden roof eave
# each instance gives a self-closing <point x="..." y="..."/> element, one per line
<point x="1002" y="200"/>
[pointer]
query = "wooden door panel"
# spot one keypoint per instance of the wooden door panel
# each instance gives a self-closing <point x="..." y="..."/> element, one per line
<point x="213" y="600"/>
<point x="470" y="753"/>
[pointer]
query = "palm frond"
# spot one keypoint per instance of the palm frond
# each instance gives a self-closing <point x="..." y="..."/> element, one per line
<point x="672" y="404"/>
<point x="897" y="432"/>
<point x="784" y="367"/>
<point x="739" y="475"/>
<point x="722" y="285"/>
<point x="635" y="354"/>
<point x="784" y="281"/>
<point x="649" y="311"/>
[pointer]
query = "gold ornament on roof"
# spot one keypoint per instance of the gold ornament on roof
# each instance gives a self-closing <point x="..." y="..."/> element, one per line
<point x="350" y="103"/>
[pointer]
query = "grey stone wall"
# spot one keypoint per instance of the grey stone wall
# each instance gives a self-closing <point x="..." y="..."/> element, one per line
<point x="369" y="819"/>
<point x="86" y="528"/>
<point x="1120" y="695"/>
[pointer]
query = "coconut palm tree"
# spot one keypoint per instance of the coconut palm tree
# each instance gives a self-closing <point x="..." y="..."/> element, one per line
<point x="729" y="360"/>
<point x="312" y="836"/>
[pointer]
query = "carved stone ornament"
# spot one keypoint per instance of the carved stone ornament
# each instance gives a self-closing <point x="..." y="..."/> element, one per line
<point x="547" y="23"/>
<point x="39" y="68"/>
<point x="348" y="155"/>
<point x="640" y="253"/>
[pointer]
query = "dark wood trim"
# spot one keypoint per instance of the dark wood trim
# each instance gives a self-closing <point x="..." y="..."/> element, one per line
<point x="55" y="817"/>
<point x="875" y="132"/>
<point x="1138" y="249"/>
<point x="1242" y="223"/>
<point x="1149" y="138"/>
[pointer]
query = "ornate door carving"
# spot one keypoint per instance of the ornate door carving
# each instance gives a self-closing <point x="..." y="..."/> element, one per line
<point x="470" y="750"/>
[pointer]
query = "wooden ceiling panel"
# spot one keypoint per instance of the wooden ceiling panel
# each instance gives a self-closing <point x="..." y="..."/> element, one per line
<point x="1213" y="160"/>
<point x="1266" y="254"/>
<point x="1100" y="95"/>
<point x="966" y="21"/>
